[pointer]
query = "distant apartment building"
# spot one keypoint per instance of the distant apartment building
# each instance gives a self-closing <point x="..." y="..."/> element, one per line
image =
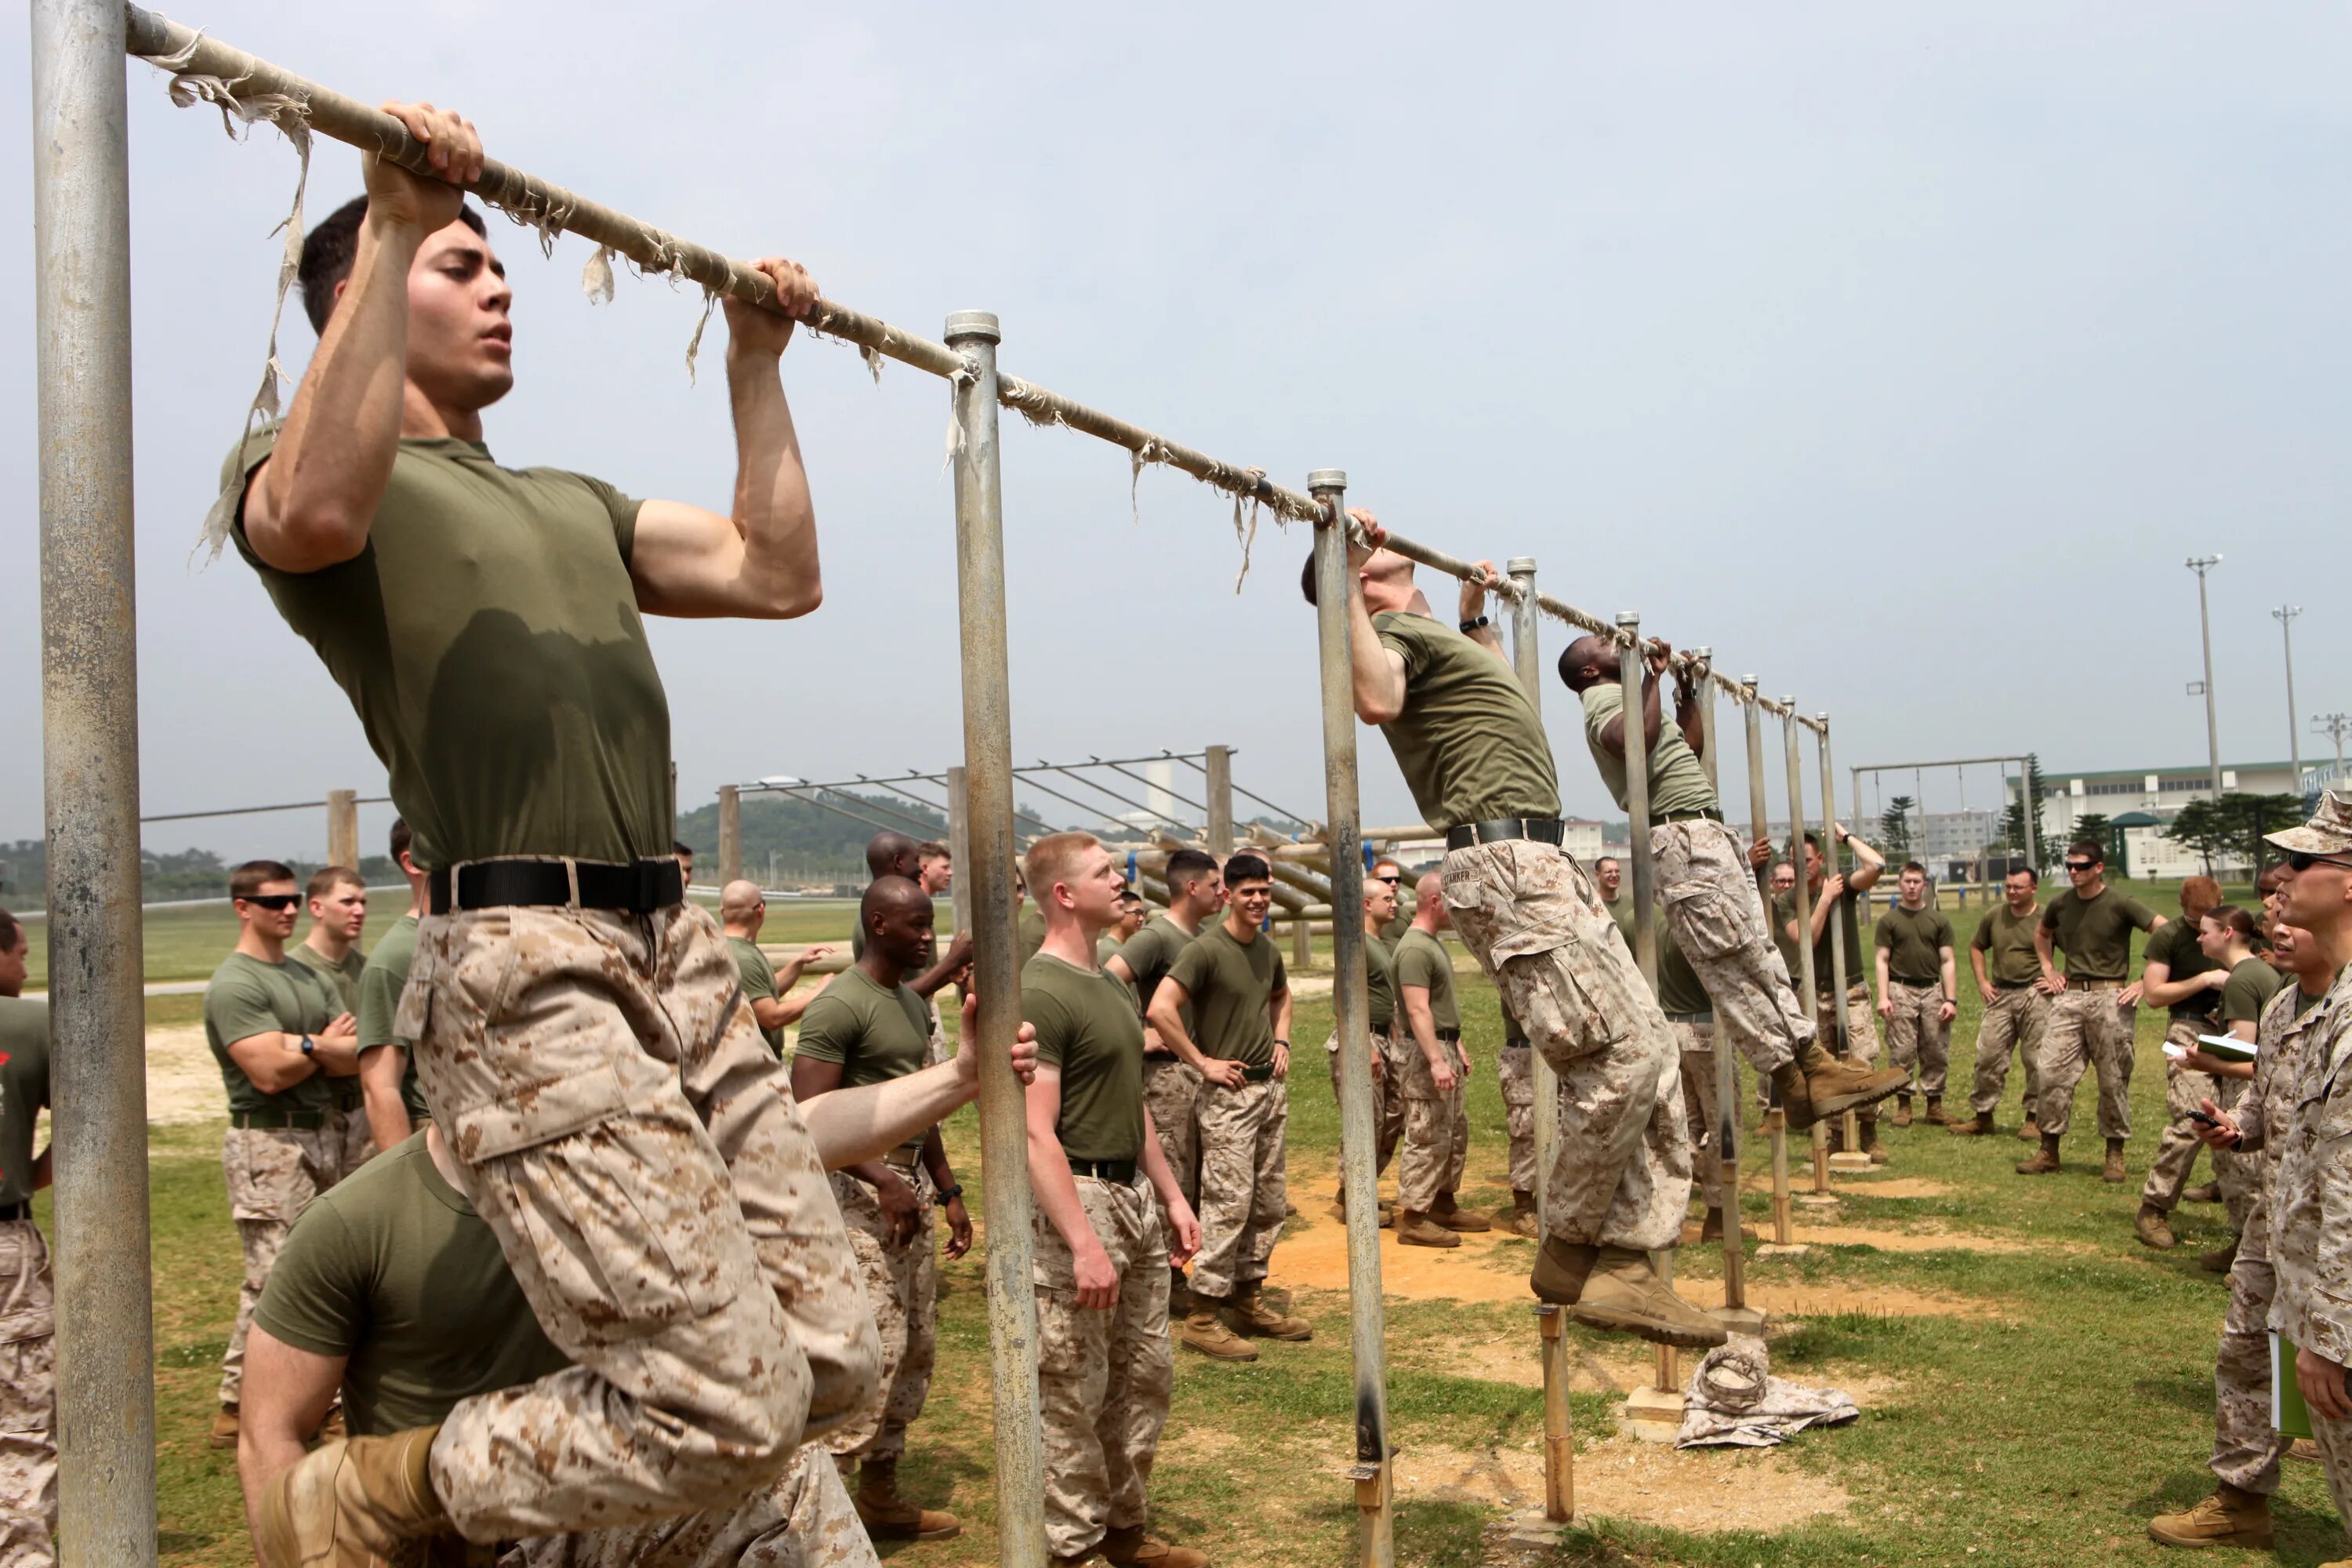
<point x="2140" y="802"/>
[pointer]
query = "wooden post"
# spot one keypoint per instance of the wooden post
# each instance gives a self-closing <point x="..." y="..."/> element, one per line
<point x="730" y="834"/>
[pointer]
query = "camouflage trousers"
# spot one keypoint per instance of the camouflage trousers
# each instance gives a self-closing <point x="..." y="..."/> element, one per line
<point x="2246" y="1448"/>
<point x="2014" y="1015"/>
<point x="1103" y="1375"/>
<point x="1702" y="1102"/>
<point x="1437" y="1141"/>
<point x="1528" y="911"/>
<point x="273" y="1173"/>
<point x="1709" y="894"/>
<point x="1388" y="1099"/>
<point x="805" y="1521"/>
<point x="1917" y="1036"/>
<point x="902" y="1291"/>
<point x="1514" y="1070"/>
<point x="1242" y="1193"/>
<point x="2334" y="1440"/>
<point x="1171" y="1092"/>
<point x="1860" y="1042"/>
<point x="633" y="1143"/>
<point x="2178" y="1145"/>
<point x="2087" y="1030"/>
<point x="28" y="1446"/>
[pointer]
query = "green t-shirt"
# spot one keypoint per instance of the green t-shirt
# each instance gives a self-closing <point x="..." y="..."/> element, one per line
<point x="1150" y="952"/>
<point x="1399" y="923"/>
<point x="1379" y="982"/>
<point x="1229" y="986"/>
<point x="1677" y="782"/>
<point x="1680" y="990"/>
<point x="1086" y="1027"/>
<point x="875" y="1034"/>
<point x="2177" y="948"/>
<point x="23" y="1091"/>
<point x="2096" y="933"/>
<point x="1914" y="941"/>
<point x="489" y="640"/>
<point x="394" y="1269"/>
<point x="2007" y="941"/>
<point x="1031" y="931"/>
<point x="1422" y="959"/>
<point x="2249" y="987"/>
<point x="759" y="983"/>
<point x="344" y="980"/>
<point x="380" y="986"/>
<point x="1621" y="910"/>
<point x="1468" y="741"/>
<point x="1784" y="910"/>
<point x="248" y="997"/>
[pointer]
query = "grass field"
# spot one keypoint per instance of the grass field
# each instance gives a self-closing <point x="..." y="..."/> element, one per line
<point x="2035" y="1385"/>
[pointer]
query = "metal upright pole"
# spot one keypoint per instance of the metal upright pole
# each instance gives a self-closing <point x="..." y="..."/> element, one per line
<point x="2285" y="614"/>
<point x="2031" y="812"/>
<point x="1776" y="1120"/>
<point x="1642" y="874"/>
<point x="1839" y="958"/>
<point x="730" y="834"/>
<point x="988" y="872"/>
<point x="343" y="827"/>
<point x="1220" y="771"/>
<point x="1351" y="1015"/>
<point x="2200" y="565"/>
<point x="1706" y="657"/>
<point x="89" y="752"/>
<point x="960" y="847"/>
<point x="1789" y="724"/>
<point x="1727" y="1061"/>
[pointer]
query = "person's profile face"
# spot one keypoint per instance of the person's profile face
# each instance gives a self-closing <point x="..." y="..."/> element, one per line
<point x="342" y="911"/>
<point x="460" y="336"/>
<point x="14" y="960"/>
<point x="2212" y="938"/>
<point x="1381" y="901"/>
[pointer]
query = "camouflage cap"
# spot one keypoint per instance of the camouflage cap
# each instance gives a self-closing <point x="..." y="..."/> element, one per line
<point x="2329" y="831"/>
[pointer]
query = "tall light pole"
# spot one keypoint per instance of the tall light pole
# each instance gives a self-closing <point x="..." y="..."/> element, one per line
<point x="2200" y="565"/>
<point x="2333" y="725"/>
<point x="2285" y="615"/>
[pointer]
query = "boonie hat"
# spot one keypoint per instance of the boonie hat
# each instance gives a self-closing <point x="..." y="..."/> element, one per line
<point x="2329" y="831"/>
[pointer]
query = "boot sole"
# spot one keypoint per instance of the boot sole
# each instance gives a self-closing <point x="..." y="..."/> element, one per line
<point x="1450" y="1242"/>
<point x="2258" y="1539"/>
<point x="908" y="1533"/>
<point x="1245" y="1353"/>
<point x="1649" y="1329"/>
<point x="1839" y="1104"/>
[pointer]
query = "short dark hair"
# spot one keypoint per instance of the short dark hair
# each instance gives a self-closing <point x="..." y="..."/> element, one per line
<point x="2027" y="872"/>
<point x="2090" y="849"/>
<point x="1913" y="866"/>
<point x="1574" y="657"/>
<point x="680" y="846"/>
<point x="403" y="841"/>
<point x="328" y="249"/>
<point x="1184" y="865"/>
<point x="1247" y="867"/>
<point x="9" y="930"/>
<point x="327" y="878"/>
<point x="1608" y="861"/>
<point x="1813" y="839"/>
<point x="249" y="878"/>
<point x="2240" y="924"/>
<point x="1307" y="579"/>
<point x="933" y="849"/>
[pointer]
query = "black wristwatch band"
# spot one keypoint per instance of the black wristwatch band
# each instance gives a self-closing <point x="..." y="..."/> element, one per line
<point x="1469" y="627"/>
<point x="954" y="1190"/>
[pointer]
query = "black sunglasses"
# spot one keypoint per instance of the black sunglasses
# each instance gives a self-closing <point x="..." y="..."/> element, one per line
<point x="2303" y="861"/>
<point x="274" y="900"/>
<point x="2080" y="865"/>
<point x="1391" y="881"/>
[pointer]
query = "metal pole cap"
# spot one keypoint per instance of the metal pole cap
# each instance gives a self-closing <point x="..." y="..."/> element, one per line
<point x="1521" y="566"/>
<point x="1751" y="682"/>
<point x="1629" y="619"/>
<point x="974" y="324"/>
<point x="1791" y="704"/>
<point x="1821" y="718"/>
<point x="1328" y="479"/>
<point x="1700" y="652"/>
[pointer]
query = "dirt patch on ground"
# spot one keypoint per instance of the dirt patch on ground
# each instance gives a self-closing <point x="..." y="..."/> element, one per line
<point x="184" y="1082"/>
<point x="1912" y="1240"/>
<point x="1801" y="1180"/>
<point x="1785" y="1301"/>
<point x="1702" y="1491"/>
<point x="1317" y="1260"/>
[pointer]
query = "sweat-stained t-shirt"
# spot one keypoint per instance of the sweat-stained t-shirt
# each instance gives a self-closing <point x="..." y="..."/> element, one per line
<point x="1677" y="782"/>
<point x="488" y="639"/>
<point x="759" y="978"/>
<point x="23" y="1091"/>
<point x="1468" y="741"/>
<point x="1422" y="961"/>
<point x="2096" y="933"/>
<point x="1229" y="986"/>
<point x="392" y="1269"/>
<point x="247" y="997"/>
<point x="2006" y="943"/>
<point x="875" y="1034"/>
<point x="1914" y="941"/>
<point x="1087" y="1030"/>
<point x="380" y="986"/>
<point x="2177" y="948"/>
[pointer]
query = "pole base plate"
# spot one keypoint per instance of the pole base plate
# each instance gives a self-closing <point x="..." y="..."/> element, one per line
<point x="1775" y="1250"/>
<point x="1534" y="1528"/>
<point x="1651" y="1414"/>
<point x="1850" y="1161"/>
<point x="1739" y="1319"/>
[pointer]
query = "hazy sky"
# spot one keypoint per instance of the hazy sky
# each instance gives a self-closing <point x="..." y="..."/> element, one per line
<point x="1900" y="353"/>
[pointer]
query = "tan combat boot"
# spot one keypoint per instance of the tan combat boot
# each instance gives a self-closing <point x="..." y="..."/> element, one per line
<point x="2029" y="1131"/>
<point x="1870" y="1143"/>
<point x="888" y="1517"/>
<point x="1180" y="1296"/>
<point x="2046" y="1160"/>
<point x="1936" y="1117"/>
<point x="1902" y="1110"/>
<point x="1561" y="1268"/>
<point x="2211" y="1193"/>
<point x="1820" y="1085"/>
<point x="2113" y="1171"/>
<point x="224" y="1432"/>
<point x="2153" y="1229"/>
<point x="350" y="1503"/>
<point x="1521" y="1218"/>
<point x="1623" y="1293"/>
<point x="1128" y="1547"/>
<point x="1249" y="1314"/>
<point x="1977" y="1126"/>
<point x="2221" y="1260"/>
<point x="1453" y="1216"/>
<point x="1711" y="1227"/>
<point x="1414" y="1229"/>
<point x="1205" y="1332"/>
<point x="2228" y="1518"/>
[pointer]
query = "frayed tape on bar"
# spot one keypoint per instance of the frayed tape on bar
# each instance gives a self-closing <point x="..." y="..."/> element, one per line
<point x="694" y="344"/>
<point x="1249" y="539"/>
<point x="596" y="278"/>
<point x="1152" y="451"/>
<point x="956" y="381"/>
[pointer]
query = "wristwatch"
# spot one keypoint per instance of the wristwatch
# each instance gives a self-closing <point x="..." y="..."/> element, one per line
<point x="954" y="1191"/>
<point x="309" y="1046"/>
<point x="1469" y="627"/>
<point x="1283" y="1043"/>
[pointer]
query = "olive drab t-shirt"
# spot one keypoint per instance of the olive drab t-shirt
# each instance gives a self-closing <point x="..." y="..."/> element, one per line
<point x="2006" y="943"/>
<point x="1677" y="782"/>
<point x="380" y="986"/>
<point x="247" y="997"/>
<point x="1422" y="959"/>
<point x="2249" y="987"/>
<point x="344" y="980"/>
<point x="489" y="640"/>
<point x="1031" y="931"/>
<point x="1150" y="952"/>
<point x="1468" y="741"/>
<point x="1680" y="990"/>
<point x="2096" y="933"/>
<point x="2177" y="948"/>
<point x="759" y="978"/>
<point x="1621" y="910"/>
<point x="23" y="1091"/>
<point x="1087" y="1028"/>
<point x="1784" y="910"/>
<point x="392" y="1269"/>
<point x="1379" y="982"/>
<point x="1229" y="986"/>
<point x="875" y="1034"/>
<point x="1914" y="941"/>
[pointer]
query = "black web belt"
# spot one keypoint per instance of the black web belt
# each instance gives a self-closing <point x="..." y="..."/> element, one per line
<point x="1542" y="830"/>
<point x="638" y="887"/>
<point x="1119" y="1171"/>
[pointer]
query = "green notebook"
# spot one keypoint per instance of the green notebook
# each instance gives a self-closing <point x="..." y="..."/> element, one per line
<point x="2228" y="1048"/>
<point x="2290" y="1418"/>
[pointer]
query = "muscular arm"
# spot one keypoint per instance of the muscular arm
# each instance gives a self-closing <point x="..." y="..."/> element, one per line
<point x="1686" y="719"/>
<point x="382" y="1068"/>
<point x="287" y="1392"/>
<point x="273" y="1060"/>
<point x="1166" y="1017"/>
<point x="1278" y="1015"/>
<point x="1984" y="981"/>
<point x="813" y="1083"/>
<point x="1865" y="877"/>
